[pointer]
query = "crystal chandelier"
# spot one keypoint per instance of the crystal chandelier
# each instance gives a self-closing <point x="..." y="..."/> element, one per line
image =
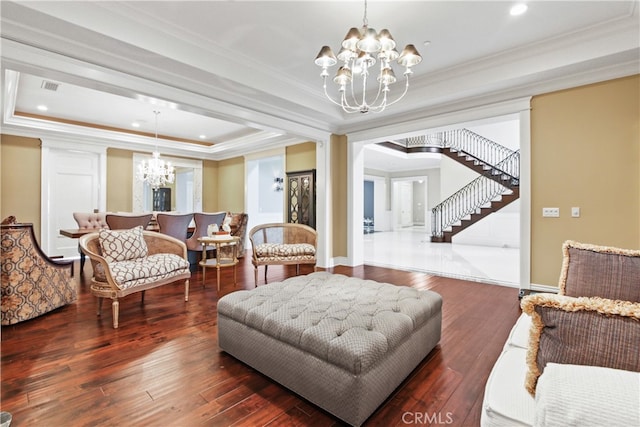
<point x="359" y="51"/>
<point x="155" y="171"/>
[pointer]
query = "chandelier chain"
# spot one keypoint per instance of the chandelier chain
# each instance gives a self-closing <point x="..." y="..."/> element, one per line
<point x="365" y="21"/>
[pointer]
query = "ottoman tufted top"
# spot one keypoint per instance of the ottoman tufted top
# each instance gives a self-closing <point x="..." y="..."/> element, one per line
<point x="346" y="321"/>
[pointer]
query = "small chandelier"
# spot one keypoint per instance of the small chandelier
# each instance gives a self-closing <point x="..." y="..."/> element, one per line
<point x="358" y="54"/>
<point x="155" y="171"/>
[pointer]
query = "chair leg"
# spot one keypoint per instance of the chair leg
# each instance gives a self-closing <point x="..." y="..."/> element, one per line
<point x="186" y="290"/>
<point x="297" y="269"/>
<point x="265" y="274"/>
<point x="255" y="275"/>
<point x="99" y="308"/>
<point x="115" y="305"/>
<point x="142" y="298"/>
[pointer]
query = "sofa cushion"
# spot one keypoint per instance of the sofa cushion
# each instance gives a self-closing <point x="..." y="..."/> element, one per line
<point x="600" y="271"/>
<point x="281" y="250"/>
<point x="565" y="397"/>
<point x="581" y="331"/>
<point x="519" y="335"/>
<point x="140" y="271"/>
<point x="121" y="245"/>
<point x="506" y="401"/>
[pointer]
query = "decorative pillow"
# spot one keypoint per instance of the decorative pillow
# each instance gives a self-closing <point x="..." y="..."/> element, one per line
<point x="581" y="331"/>
<point x="600" y="271"/>
<point x="121" y="245"/>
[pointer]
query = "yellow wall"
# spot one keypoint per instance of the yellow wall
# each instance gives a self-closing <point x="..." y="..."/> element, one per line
<point x="585" y="152"/>
<point x="20" y="178"/>
<point x="338" y="179"/>
<point x="300" y="157"/>
<point x="230" y="188"/>
<point x="209" y="186"/>
<point x="119" y="180"/>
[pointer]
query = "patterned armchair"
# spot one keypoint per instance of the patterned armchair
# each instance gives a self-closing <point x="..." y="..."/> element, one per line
<point x="32" y="283"/>
<point x="239" y="228"/>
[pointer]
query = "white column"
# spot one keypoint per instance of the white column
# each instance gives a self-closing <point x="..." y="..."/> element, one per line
<point x="355" y="208"/>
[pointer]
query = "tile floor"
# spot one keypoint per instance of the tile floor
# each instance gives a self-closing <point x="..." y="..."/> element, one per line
<point x="411" y="249"/>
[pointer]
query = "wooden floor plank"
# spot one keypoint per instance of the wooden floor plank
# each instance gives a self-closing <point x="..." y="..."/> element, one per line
<point x="163" y="365"/>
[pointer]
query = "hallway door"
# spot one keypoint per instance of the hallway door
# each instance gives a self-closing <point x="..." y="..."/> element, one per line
<point x="71" y="182"/>
<point x="403" y="203"/>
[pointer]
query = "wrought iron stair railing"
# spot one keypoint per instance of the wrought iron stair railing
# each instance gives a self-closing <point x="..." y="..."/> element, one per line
<point x="498" y="180"/>
<point x="476" y="147"/>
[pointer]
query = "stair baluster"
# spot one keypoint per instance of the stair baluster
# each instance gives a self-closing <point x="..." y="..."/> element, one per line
<point x="477" y="199"/>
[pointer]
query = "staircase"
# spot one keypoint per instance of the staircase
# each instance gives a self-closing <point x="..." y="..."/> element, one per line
<point x="496" y="187"/>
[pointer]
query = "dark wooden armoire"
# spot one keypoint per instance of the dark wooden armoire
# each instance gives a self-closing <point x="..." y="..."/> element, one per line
<point x="301" y="197"/>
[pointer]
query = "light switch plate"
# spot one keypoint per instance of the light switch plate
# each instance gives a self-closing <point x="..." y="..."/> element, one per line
<point x="551" y="212"/>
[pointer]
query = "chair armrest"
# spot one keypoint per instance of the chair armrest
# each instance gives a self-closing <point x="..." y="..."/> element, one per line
<point x="90" y="246"/>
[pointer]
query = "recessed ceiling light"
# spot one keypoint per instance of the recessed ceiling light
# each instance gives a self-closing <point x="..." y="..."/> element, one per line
<point x="518" y="9"/>
<point x="203" y="137"/>
<point x="42" y="107"/>
<point x="135" y="124"/>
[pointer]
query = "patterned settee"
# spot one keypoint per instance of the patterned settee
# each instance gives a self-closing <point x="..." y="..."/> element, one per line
<point x="32" y="283"/>
<point x="134" y="260"/>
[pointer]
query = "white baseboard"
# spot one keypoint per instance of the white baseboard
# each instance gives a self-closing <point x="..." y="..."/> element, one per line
<point x="544" y="288"/>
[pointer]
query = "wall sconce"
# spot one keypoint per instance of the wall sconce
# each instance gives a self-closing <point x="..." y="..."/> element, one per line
<point x="278" y="184"/>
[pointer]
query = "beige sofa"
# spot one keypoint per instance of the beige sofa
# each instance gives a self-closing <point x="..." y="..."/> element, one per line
<point x="573" y="359"/>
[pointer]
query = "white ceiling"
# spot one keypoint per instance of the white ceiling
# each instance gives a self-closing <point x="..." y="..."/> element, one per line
<point x="242" y="73"/>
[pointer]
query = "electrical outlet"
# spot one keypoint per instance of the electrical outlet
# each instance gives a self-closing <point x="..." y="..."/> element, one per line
<point x="575" y="212"/>
<point x="551" y="212"/>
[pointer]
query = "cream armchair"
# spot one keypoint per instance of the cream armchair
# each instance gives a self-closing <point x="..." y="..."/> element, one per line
<point x="282" y="244"/>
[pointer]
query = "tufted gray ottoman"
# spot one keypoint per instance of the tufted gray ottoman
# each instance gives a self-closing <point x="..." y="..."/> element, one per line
<point x="341" y="342"/>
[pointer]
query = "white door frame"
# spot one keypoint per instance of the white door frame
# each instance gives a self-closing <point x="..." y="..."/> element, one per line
<point x="138" y="187"/>
<point x="520" y="107"/>
<point x="49" y="145"/>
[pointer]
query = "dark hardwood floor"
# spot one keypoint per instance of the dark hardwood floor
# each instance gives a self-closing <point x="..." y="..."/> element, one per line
<point x="163" y="367"/>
